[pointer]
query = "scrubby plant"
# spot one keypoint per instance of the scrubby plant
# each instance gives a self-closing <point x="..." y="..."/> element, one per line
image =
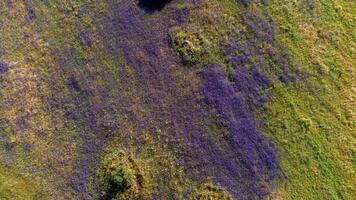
<point x="188" y="43"/>
<point x="210" y="191"/>
<point x="120" y="177"/>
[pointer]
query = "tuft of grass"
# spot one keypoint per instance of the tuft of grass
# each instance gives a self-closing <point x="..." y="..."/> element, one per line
<point x="210" y="191"/>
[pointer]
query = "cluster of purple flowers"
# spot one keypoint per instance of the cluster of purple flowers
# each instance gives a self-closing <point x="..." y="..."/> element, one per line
<point x="3" y="67"/>
<point x="257" y="47"/>
<point x="30" y="10"/>
<point x="254" y="157"/>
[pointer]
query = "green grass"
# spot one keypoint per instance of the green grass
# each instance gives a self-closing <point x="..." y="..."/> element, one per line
<point x="312" y="120"/>
<point x="16" y="186"/>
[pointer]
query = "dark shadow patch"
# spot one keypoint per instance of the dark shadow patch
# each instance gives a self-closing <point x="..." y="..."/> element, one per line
<point x="153" y="5"/>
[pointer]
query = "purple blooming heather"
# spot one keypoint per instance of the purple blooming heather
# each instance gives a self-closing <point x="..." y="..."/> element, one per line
<point x="208" y="121"/>
<point x="248" y="50"/>
<point x="30" y="10"/>
<point x="3" y="67"/>
<point x="253" y="153"/>
<point x="239" y="162"/>
<point x="250" y="83"/>
<point x="243" y="159"/>
<point x="86" y="38"/>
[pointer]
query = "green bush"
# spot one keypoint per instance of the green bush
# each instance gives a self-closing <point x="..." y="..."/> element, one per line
<point x="188" y="44"/>
<point x="121" y="178"/>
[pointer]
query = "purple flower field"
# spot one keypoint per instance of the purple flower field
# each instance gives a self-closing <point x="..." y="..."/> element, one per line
<point x="165" y="99"/>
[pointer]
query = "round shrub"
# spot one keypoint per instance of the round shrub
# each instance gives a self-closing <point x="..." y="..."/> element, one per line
<point x="121" y="178"/>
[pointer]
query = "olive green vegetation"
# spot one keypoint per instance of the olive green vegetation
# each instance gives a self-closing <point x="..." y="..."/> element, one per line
<point x="16" y="186"/>
<point x="312" y="120"/>
<point x="121" y="177"/>
<point x="210" y="191"/>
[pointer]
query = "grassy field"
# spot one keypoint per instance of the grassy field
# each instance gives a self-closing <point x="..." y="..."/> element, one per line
<point x="313" y="120"/>
<point x="56" y="57"/>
